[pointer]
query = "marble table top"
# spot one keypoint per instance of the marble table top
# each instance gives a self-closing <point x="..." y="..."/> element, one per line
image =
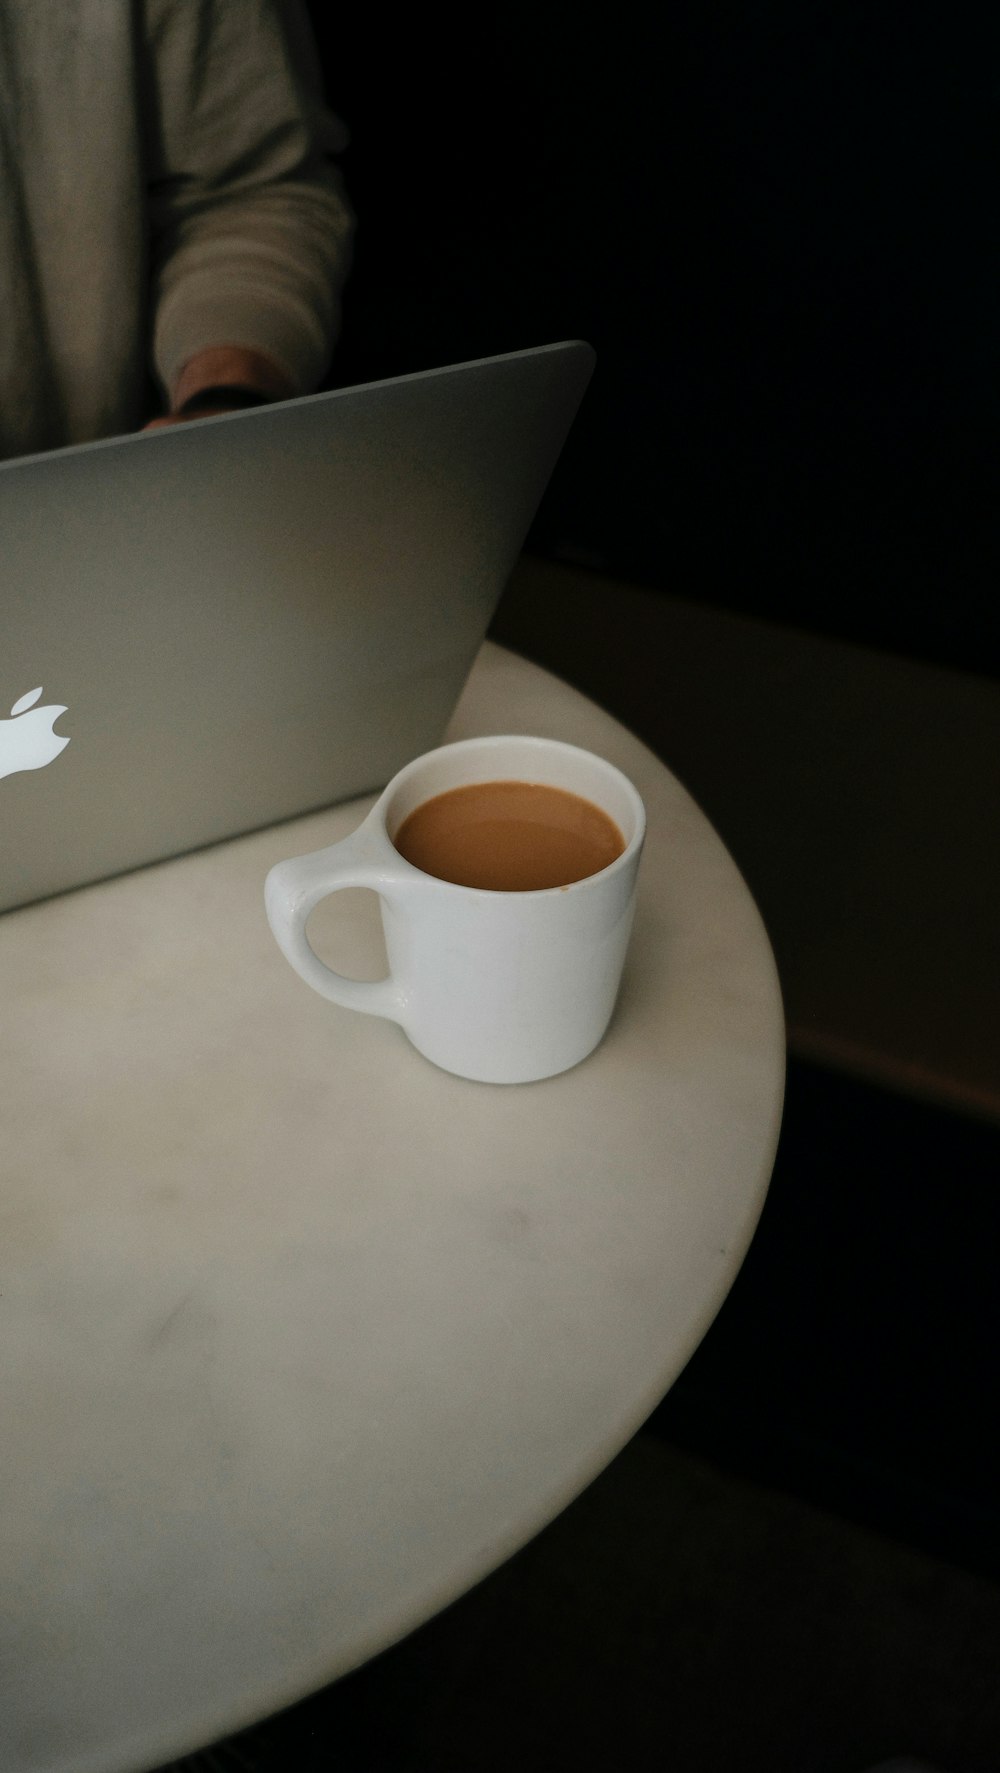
<point x="301" y="1335"/>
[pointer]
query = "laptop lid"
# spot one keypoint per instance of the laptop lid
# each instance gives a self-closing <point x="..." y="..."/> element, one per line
<point x="211" y="627"/>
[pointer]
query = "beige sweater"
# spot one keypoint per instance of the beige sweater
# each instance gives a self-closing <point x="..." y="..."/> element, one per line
<point x="163" y="188"/>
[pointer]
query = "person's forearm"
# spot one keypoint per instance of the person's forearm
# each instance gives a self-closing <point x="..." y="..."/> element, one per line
<point x="250" y="229"/>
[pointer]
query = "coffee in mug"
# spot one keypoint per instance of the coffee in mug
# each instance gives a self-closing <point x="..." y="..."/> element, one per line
<point x="510" y="837"/>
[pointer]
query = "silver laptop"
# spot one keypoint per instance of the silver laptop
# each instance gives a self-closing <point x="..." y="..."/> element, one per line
<point x="211" y="627"/>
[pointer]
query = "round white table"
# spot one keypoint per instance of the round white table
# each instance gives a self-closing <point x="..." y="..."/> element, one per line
<point x="301" y="1335"/>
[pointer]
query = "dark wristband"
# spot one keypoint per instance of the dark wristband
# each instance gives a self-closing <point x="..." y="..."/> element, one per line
<point x="230" y="396"/>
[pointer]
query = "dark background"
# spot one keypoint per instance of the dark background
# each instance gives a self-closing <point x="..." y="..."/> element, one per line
<point x="777" y="225"/>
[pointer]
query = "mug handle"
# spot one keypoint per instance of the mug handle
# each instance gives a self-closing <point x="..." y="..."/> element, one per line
<point x="294" y="888"/>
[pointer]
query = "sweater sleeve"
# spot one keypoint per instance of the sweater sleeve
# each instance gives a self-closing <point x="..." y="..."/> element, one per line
<point x="251" y="230"/>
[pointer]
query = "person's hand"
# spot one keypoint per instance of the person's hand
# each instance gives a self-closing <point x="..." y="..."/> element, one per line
<point x="224" y="378"/>
<point x="188" y="418"/>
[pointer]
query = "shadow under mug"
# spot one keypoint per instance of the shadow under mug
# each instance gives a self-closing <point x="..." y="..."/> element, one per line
<point x="500" y="987"/>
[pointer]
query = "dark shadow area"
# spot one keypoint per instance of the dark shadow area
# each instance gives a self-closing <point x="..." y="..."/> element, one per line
<point x="774" y="224"/>
<point x="854" y="1363"/>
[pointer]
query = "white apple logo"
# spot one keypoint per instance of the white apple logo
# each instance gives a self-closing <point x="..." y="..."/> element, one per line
<point x="27" y="741"/>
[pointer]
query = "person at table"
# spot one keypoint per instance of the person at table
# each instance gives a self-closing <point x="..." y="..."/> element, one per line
<point x="174" y="239"/>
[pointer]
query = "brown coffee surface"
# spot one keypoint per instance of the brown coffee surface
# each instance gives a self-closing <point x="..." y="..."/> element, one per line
<point x="512" y="837"/>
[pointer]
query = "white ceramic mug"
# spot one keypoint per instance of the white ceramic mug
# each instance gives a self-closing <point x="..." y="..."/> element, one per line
<point x="502" y="987"/>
